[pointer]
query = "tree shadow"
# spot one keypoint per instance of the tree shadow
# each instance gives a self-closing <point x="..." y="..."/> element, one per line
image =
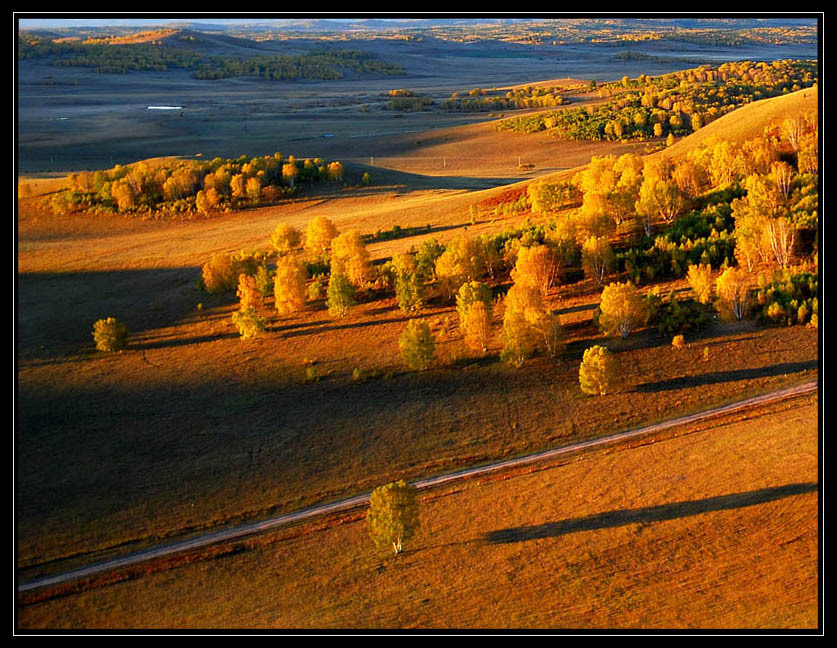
<point x="686" y="382"/>
<point x="647" y="515"/>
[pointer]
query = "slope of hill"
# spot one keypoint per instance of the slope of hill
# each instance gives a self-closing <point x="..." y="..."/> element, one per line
<point x="749" y="121"/>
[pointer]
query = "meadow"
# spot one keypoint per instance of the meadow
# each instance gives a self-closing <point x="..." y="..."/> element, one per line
<point x="191" y="428"/>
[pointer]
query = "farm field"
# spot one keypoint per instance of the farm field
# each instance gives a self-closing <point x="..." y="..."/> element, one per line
<point x="192" y="428"/>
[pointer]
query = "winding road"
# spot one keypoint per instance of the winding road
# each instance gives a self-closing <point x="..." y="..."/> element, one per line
<point x="243" y="530"/>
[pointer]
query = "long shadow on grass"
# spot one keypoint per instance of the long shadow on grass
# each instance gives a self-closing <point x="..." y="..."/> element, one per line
<point x="648" y="514"/>
<point x="686" y="382"/>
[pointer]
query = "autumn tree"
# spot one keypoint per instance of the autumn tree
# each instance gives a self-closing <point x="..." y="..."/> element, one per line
<point x="319" y="234"/>
<point x="623" y="309"/>
<point x="538" y="266"/>
<point x="409" y="286"/>
<point x="597" y="372"/>
<point x="460" y="262"/>
<point x="335" y="171"/>
<point x="659" y="195"/>
<point x="285" y="239"/>
<point x="339" y="295"/>
<point x="417" y="345"/>
<point x="597" y="258"/>
<point x="527" y="325"/>
<point x="701" y="282"/>
<point x="289" y="285"/>
<point x="350" y="256"/>
<point x="477" y="327"/>
<point x="469" y="294"/>
<point x="220" y="273"/>
<point x="248" y="293"/>
<point x="733" y="288"/>
<point x="289" y="173"/>
<point x="393" y="515"/>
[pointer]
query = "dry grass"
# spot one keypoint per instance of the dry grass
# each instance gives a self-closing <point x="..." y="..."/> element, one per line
<point x="191" y="428"/>
<point x="663" y="535"/>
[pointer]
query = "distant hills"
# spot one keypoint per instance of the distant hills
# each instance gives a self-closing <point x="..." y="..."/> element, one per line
<point x="317" y="23"/>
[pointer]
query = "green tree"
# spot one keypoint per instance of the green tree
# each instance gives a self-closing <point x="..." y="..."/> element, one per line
<point x="340" y="295"/>
<point x="393" y="515"/>
<point x="417" y="345"/>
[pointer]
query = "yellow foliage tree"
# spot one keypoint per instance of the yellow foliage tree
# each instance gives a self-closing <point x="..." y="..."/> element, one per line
<point x="285" y="238"/>
<point x="289" y="285"/>
<point x="701" y="281"/>
<point x="623" y="309"/>
<point x="349" y="255"/>
<point x="597" y="372"/>
<point x="537" y="266"/>
<point x="249" y="295"/>
<point x="477" y="327"/>
<point x="597" y="258"/>
<point x="733" y="288"/>
<point x="319" y="234"/>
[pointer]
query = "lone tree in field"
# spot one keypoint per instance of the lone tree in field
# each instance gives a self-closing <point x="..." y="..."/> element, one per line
<point x="110" y="334"/>
<point x="393" y="516"/>
<point x="622" y="309"/>
<point x="417" y="345"/>
<point x="597" y="372"/>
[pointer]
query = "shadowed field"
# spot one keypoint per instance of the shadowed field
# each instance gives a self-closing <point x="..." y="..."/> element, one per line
<point x="658" y="536"/>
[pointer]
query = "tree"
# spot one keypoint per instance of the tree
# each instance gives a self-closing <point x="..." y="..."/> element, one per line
<point x="340" y="295"/>
<point x="701" y="282"/>
<point x="469" y="294"/>
<point x="659" y="195"/>
<point x="349" y="255"/>
<point x="319" y="234"/>
<point x="110" y="334"/>
<point x="597" y="258"/>
<point x="733" y="290"/>
<point x="253" y="188"/>
<point x="417" y="345"/>
<point x="537" y="266"/>
<point x="289" y="173"/>
<point x="477" y="327"/>
<point x="393" y="515"/>
<point x="289" y="287"/>
<point x="220" y="273"/>
<point x="335" y="171"/>
<point x="249" y="295"/>
<point x="285" y="238"/>
<point x="622" y="309"/>
<point x="597" y="372"/>
<point x="524" y="308"/>
<point x="460" y="262"/>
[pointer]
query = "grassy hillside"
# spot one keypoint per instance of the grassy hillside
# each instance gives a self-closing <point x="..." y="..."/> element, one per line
<point x="717" y="529"/>
<point x="749" y="121"/>
<point x="191" y="428"/>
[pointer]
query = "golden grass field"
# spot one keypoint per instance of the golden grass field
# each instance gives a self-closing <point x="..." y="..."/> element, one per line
<point x="714" y="527"/>
<point x="191" y="428"/>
